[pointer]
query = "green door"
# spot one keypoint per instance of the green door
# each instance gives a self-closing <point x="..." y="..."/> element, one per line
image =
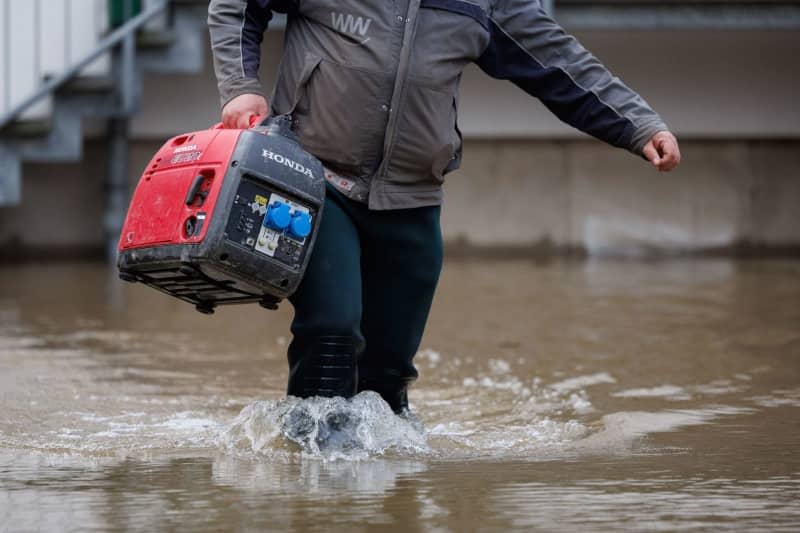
<point x="116" y="11"/>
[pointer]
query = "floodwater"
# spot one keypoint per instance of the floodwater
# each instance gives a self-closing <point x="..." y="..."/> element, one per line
<point x="564" y="396"/>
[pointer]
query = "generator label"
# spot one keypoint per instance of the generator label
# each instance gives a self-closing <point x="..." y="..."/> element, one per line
<point x="261" y="199"/>
<point x="283" y="160"/>
<point x="187" y="148"/>
<point x="185" y="157"/>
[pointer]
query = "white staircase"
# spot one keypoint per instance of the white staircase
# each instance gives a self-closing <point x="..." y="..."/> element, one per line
<point x="61" y="61"/>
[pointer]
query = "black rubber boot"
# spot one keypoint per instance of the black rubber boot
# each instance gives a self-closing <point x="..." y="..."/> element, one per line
<point x="395" y="393"/>
<point x="339" y="431"/>
<point x="323" y="366"/>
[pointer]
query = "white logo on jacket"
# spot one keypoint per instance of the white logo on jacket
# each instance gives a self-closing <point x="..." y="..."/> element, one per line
<point x="347" y="23"/>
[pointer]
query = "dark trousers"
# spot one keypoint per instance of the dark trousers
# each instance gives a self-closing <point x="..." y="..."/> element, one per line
<point x="367" y="290"/>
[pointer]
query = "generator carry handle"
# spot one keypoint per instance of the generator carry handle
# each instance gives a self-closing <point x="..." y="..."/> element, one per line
<point x="283" y="122"/>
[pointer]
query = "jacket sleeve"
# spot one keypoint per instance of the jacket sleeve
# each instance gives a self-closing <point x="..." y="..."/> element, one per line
<point x="237" y="29"/>
<point x="528" y="48"/>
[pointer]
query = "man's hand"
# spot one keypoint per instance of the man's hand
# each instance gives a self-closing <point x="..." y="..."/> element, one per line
<point x="662" y="150"/>
<point x="240" y="111"/>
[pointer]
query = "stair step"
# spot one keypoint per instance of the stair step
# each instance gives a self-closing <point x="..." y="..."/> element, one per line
<point x="26" y="129"/>
<point x="63" y="141"/>
<point x="89" y="84"/>
<point x="87" y="95"/>
<point x="155" y="39"/>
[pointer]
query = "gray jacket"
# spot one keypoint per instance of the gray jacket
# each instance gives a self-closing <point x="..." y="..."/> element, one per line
<point x="373" y="86"/>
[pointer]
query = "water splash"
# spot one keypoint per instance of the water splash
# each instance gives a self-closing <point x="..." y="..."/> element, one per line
<point x="504" y="415"/>
<point x="330" y="428"/>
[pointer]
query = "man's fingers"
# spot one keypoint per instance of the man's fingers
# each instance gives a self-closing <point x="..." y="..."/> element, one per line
<point x="240" y="111"/>
<point x="662" y="151"/>
<point x="238" y="120"/>
<point x="651" y="154"/>
<point x="668" y="162"/>
<point x="243" y="122"/>
<point x="229" y="120"/>
<point x="670" y="154"/>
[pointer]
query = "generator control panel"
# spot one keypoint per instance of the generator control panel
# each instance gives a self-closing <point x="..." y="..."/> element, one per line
<point x="270" y="223"/>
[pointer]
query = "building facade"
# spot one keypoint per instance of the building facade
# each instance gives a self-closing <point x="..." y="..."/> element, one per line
<point x="528" y="183"/>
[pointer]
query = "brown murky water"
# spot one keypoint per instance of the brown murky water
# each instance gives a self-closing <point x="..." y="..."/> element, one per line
<point x="594" y="396"/>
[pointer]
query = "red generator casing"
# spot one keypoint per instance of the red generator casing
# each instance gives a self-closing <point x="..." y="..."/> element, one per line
<point x="225" y="216"/>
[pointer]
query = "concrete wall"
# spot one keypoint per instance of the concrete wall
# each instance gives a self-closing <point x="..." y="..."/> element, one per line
<point x="528" y="182"/>
<point x="709" y="85"/>
<point x="523" y="196"/>
<point x="727" y="196"/>
<point x="61" y="211"/>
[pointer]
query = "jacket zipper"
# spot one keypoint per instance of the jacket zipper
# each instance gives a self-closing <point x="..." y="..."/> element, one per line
<point x="398" y="94"/>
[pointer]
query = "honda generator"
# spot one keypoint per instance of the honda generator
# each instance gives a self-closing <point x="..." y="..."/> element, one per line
<point x="225" y="216"/>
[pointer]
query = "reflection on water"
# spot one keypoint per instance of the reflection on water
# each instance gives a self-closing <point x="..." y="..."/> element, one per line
<point x="577" y="396"/>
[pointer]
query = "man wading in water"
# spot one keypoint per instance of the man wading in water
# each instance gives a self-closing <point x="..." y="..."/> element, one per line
<point x="373" y="90"/>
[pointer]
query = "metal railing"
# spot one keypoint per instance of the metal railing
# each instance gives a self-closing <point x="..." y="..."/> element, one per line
<point x="125" y="36"/>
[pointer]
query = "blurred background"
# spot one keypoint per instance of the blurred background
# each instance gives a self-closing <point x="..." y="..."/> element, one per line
<point x="75" y="134"/>
<point x="558" y="395"/>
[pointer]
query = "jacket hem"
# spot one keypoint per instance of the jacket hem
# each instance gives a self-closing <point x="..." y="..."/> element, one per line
<point x="383" y="200"/>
